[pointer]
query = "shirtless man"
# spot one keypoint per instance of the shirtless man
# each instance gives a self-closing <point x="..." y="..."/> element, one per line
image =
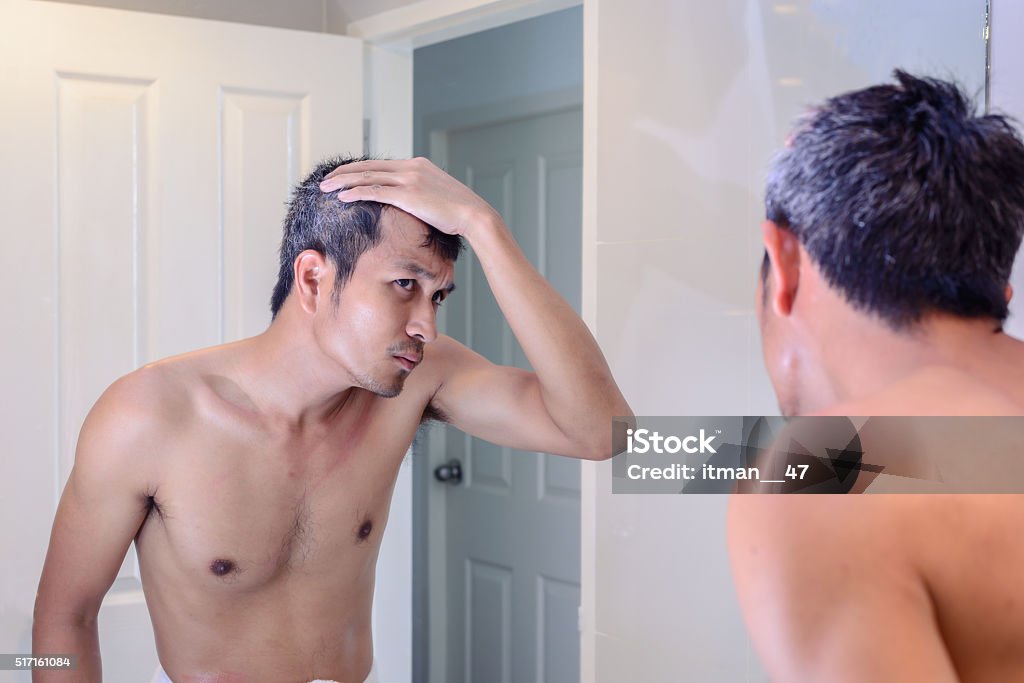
<point x="255" y="477"/>
<point x="894" y="215"/>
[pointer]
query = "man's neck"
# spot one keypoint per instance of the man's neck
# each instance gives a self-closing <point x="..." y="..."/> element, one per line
<point x="876" y="357"/>
<point x="289" y="378"/>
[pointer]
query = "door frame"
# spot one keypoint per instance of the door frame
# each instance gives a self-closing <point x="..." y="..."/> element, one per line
<point x="390" y="38"/>
<point x="435" y="21"/>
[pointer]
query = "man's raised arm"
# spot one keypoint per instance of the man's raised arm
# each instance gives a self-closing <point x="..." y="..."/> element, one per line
<point x="567" y="404"/>
<point x="100" y="511"/>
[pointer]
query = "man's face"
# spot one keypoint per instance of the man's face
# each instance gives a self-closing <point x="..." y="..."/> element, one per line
<point x="387" y="310"/>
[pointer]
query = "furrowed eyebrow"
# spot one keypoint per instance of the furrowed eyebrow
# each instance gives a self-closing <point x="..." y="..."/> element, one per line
<point x="417" y="269"/>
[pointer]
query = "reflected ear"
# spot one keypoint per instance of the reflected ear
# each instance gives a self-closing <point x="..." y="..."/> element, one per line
<point x="1008" y="292"/>
<point x="308" y="269"/>
<point x="784" y="261"/>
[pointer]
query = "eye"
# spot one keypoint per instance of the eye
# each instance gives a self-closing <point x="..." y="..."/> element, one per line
<point x="438" y="298"/>
<point x="405" y="283"/>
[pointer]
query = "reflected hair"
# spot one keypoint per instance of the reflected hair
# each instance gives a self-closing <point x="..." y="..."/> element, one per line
<point x="342" y="232"/>
<point x="907" y="201"/>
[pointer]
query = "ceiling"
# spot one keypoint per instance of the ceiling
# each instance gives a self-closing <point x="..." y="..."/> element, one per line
<point x="306" y="15"/>
<point x="354" y="10"/>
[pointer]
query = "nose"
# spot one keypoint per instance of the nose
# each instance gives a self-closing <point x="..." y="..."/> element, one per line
<point x="422" y="324"/>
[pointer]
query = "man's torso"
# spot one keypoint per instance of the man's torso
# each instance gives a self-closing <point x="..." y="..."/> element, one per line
<point x="260" y="543"/>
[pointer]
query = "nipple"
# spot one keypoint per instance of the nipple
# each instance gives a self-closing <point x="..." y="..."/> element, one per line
<point x="222" y="567"/>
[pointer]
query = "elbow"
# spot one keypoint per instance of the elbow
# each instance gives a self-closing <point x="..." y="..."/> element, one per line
<point x="604" y="433"/>
<point x="585" y="447"/>
<point x="613" y="443"/>
<point x="596" y="452"/>
<point x="614" y="429"/>
<point x="48" y="614"/>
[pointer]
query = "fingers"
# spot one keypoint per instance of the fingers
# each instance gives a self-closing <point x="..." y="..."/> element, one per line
<point x="360" y="179"/>
<point x="381" y="166"/>
<point x="373" y="193"/>
<point x="369" y="165"/>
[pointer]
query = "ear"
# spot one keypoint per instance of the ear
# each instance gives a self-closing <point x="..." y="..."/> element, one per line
<point x="308" y="269"/>
<point x="784" y="261"/>
<point x="1008" y="292"/>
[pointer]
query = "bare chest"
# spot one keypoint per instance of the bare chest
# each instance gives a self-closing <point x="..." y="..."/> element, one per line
<point x="245" y="513"/>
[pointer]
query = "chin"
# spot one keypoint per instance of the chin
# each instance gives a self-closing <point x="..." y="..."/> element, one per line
<point x="387" y="392"/>
<point x="387" y="389"/>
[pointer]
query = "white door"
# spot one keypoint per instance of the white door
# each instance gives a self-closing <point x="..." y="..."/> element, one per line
<point x="146" y="161"/>
<point x="512" y="553"/>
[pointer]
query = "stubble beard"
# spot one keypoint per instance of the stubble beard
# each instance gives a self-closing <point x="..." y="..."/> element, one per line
<point x="394" y="387"/>
<point x="382" y="389"/>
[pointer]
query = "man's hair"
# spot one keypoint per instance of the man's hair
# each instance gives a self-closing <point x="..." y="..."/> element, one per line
<point x="342" y="232"/>
<point x="906" y="200"/>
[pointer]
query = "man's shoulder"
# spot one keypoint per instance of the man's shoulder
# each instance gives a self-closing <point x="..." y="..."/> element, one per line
<point x="147" y="401"/>
<point x="154" y="387"/>
<point x="130" y="407"/>
<point x="811" y="570"/>
<point x="812" y="543"/>
<point x="793" y="516"/>
<point x="938" y="390"/>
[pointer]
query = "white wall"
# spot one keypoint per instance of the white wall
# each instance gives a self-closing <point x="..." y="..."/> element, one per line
<point x="1007" y="92"/>
<point x="1007" y="58"/>
<point x="685" y="102"/>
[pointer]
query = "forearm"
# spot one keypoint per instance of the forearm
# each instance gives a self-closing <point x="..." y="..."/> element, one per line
<point x="576" y="384"/>
<point x="59" y="635"/>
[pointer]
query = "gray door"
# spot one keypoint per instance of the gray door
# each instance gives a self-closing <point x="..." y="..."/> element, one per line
<point x="512" y="526"/>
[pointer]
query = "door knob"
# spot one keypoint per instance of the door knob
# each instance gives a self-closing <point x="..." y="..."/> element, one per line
<point x="450" y="472"/>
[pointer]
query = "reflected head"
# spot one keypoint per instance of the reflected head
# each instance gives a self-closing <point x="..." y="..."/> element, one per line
<point x="907" y="201"/>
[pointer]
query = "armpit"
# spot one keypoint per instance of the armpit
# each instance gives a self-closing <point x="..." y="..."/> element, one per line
<point x="433" y="413"/>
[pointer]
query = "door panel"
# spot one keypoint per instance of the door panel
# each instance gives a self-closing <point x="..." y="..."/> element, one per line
<point x="265" y="130"/>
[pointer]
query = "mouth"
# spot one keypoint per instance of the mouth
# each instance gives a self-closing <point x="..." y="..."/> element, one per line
<point x="408" y="362"/>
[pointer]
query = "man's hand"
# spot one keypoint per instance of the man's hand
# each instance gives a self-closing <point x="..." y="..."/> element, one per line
<point x="415" y="186"/>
